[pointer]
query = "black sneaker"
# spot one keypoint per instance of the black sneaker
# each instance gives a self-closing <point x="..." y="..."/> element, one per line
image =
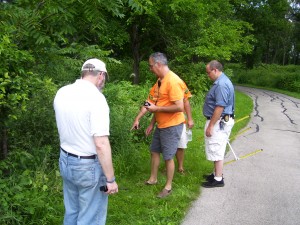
<point x="209" y="177"/>
<point x="213" y="183"/>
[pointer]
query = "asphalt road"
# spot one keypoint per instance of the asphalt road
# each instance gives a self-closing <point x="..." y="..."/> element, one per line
<point x="263" y="186"/>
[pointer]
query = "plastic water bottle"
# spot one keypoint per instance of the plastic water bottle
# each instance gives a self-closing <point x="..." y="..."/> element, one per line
<point x="189" y="135"/>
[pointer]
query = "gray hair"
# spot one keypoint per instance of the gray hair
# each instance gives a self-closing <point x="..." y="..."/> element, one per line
<point x="214" y="64"/>
<point x="159" y="57"/>
<point x="93" y="73"/>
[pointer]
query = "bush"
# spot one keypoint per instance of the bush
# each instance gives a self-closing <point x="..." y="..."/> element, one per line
<point x="125" y="100"/>
<point x="35" y="126"/>
<point x="32" y="195"/>
<point x="194" y="75"/>
<point x="272" y="76"/>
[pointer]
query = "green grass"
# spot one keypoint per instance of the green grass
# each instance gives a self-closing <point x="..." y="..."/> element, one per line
<point x="137" y="203"/>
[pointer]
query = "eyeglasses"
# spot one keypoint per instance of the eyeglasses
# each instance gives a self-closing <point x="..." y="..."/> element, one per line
<point x="208" y="72"/>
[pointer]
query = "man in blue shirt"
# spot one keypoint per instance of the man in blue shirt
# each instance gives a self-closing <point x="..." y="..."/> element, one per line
<point x="219" y="112"/>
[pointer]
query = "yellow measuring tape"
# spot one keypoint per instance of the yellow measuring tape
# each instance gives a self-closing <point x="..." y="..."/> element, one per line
<point x="245" y="156"/>
<point x="248" y="128"/>
<point x="239" y="120"/>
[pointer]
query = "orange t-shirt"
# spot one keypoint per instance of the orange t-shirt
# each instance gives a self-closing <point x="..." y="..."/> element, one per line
<point x="187" y="93"/>
<point x="171" y="89"/>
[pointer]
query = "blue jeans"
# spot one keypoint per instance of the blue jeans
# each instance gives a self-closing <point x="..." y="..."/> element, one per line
<point x="84" y="203"/>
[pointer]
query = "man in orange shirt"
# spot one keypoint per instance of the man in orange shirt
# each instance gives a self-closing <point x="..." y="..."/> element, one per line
<point x="165" y="101"/>
<point x="187" y="126"/>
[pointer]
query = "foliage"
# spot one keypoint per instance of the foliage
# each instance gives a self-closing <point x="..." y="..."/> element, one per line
<point x="32" y="195"/>
<point x="51" y="31"/>
<point x="275" y="26"/>
<point x="12" y="76"/>
<point x="272" y="76"/>
<point x="36" y="125"/>
<point x="163" y="26"/>
<point x="194" y="75"/>
<point x="15" y="85"/>
<point x="125" y="100"/>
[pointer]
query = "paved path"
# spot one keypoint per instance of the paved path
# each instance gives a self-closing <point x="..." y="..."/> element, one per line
<point x="264" y="187"/>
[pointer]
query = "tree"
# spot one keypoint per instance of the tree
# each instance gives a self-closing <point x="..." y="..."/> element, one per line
<point x="45" y="38"/>
<point x="185" y="29"/>
<point x="273" y="29"/>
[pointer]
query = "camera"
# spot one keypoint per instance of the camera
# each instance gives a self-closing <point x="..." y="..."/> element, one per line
<point x="103" y="188"/>
<point x="147" y="104"/>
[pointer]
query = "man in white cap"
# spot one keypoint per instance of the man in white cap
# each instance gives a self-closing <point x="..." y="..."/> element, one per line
<point x="82" y="117"/>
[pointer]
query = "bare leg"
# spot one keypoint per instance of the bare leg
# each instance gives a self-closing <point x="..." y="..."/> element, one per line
<point x="170" y="166"/>
<point x="219" y="168"/>
<point x="155" y="159"/>
<point x="180" y="157"/>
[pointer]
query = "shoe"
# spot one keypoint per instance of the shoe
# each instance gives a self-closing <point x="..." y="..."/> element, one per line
<point x="147" y="182"/>
<point x="164" y="193"/>
<point x="209" y="177"/>
<point x="214" y="183"/>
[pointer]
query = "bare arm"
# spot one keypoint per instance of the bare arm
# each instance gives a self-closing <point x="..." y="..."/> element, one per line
<point x="188" y="111"/>
<point x="178" y="106"/>
<point x="151" y="125"/>
<point x="136" y="122"/>
<point x="105" y="158"/>
<point x="216" y="116"/>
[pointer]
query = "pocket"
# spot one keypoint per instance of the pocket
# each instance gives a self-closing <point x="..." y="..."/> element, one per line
<point x="213" y="145"/>
<point x="62" y="168"/>
<point x="84" y="176"/>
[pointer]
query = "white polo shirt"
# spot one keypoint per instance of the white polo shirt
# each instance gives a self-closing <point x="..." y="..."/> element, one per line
<point x="81" y="112"/>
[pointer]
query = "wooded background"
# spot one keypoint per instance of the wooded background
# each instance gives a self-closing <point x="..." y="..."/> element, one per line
<point x="43" y="44"/>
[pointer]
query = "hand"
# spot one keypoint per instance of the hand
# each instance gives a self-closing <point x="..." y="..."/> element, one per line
<point x="190" y="124"/>
<point x="149" y="129"/>
<point x="135" y="126"/>
<point x="112" y="188"/>
<point x="209" y="131"/>
<point x="152" y="108"/>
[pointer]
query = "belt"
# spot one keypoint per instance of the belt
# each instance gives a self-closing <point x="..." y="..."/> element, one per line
<point x="222" y="117"/>
<point x="77" y="156"/>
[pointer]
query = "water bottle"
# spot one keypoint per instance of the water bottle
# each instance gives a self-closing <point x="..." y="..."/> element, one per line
<point x="189" y="135"/>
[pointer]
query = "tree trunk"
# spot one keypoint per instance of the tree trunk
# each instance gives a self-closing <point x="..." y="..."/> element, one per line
<point x="135" y="51"/>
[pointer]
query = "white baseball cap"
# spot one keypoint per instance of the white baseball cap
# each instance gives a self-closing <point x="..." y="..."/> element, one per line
<point x="94" y="64"/>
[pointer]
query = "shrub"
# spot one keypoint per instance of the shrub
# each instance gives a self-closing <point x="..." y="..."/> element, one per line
<point x="32" y="195"/>
<point x="272" y="76"/>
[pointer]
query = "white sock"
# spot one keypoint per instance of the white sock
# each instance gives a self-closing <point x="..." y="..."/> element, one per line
<point x="218" y="178"/>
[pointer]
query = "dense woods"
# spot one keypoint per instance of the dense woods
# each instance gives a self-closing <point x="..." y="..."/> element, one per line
<point x="43" y="44"/>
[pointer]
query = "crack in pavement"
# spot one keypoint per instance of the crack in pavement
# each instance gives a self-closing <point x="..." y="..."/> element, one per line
<point x="293" y="131"/>
<point x="284" y="113"/>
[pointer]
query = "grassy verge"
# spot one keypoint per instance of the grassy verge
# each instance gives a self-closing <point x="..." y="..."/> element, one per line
<point x="136" y="203"/>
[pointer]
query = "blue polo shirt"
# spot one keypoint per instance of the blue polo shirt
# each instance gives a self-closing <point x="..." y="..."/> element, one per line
<point x="220" y="94"/>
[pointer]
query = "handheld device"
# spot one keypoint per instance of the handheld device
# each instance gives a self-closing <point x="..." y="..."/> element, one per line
<point x="147" y="104"/>
<point x="103" y="188"/>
